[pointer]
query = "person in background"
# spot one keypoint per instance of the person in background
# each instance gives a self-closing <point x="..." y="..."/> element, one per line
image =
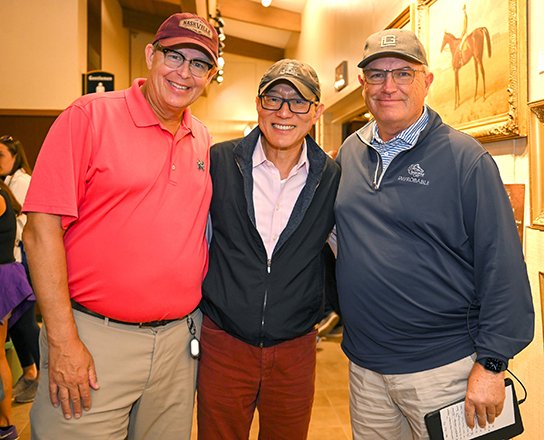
<point x="271" y="212"/>
<point x="117" y="211"/>
<point x="431" y="278"/>
<point x="16" y="171"/>
<point x="15" y="298"/>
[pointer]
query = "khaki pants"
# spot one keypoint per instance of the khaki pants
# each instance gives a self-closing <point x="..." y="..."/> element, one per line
<point x="147" y="383"/>
<point x="393" y="406"/>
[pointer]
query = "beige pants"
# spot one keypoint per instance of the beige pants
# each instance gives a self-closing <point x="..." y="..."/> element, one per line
<point x="147" y="383"/>
<point x="393" y="406"/>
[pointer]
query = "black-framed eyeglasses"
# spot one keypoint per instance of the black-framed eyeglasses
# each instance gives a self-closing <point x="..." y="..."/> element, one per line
<point x="175" y="60"/>
<point x="7" y="138"/>
<point x="403" y="76"/>
<point x="296" y="105"/>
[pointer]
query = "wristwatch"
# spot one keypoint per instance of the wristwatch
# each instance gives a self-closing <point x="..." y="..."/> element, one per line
<point x="493" y="364"/>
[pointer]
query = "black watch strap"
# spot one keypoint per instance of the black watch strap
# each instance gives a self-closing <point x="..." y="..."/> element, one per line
<point x="493" y="364"/>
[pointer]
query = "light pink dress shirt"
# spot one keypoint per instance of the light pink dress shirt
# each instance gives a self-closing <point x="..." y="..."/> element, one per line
<point x="273" y="197"/>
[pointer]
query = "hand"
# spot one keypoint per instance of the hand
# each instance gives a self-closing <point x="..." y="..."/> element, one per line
<point x="71" y="372"/>
<point x="485" y="396"/>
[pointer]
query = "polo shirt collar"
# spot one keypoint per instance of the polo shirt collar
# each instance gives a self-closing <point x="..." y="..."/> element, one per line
<point x="141" y="112"/>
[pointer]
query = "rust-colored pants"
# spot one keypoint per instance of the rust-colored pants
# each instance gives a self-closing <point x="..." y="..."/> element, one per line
<point x="234" y="378"/>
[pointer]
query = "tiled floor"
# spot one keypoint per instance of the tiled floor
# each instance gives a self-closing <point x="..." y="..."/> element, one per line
<point x="330" y="416"/>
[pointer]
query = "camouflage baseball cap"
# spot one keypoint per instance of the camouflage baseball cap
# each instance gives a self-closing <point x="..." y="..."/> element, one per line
<point x="300" y="75"/>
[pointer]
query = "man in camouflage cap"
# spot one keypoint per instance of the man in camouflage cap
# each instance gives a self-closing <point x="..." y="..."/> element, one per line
<point x="271" y="211"/>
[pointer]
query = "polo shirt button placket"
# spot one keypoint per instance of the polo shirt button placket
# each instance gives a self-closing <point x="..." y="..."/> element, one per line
<point x="173" y="177"/>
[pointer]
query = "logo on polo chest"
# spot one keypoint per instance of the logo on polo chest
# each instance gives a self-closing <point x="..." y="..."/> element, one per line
<point x="416" y="174"/>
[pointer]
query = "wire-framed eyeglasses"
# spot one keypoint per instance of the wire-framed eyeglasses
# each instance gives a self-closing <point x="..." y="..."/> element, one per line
<point x="296" y="105"/>
<point x="175" y="60"/>
<point x="403" y="76"/>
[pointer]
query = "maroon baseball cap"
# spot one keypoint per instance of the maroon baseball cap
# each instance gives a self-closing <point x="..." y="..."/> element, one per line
<point x="187" y="28"/>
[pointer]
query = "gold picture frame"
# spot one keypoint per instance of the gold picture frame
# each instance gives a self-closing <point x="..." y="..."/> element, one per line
<point x="473" y="41"/>
<point x="536" y="163"/>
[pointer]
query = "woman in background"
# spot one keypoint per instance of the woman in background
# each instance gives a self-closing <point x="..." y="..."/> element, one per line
<point x="15" y="171"/>
<point x="15" y="298"/>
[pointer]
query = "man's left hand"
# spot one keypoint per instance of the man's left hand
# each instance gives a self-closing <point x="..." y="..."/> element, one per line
<point x="485" y="396"/>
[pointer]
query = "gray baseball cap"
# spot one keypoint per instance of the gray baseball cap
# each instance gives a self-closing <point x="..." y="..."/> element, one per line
<point x="300" y="75"/>
<point x="399" y="43"/>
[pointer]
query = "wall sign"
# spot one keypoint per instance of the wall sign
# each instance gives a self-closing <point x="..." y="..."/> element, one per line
<point x="97" y="82"/>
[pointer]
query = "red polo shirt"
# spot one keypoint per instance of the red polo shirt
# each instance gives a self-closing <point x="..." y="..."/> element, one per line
<point x="134" y="201"/>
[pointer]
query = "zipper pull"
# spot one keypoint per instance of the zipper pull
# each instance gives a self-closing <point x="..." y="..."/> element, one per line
<point x="268" y="264"/>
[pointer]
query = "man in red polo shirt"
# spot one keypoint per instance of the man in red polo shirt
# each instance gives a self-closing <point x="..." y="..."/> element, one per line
<point x="115" y="239"/>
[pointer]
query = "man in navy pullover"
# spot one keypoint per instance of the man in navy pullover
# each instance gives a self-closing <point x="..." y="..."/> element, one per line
<point x="432" y="283"/>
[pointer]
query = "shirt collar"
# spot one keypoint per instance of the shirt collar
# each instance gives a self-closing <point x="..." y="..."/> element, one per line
<point x="409" y="135"/>
<point x="259" y="156"/>
<point x="141" y="112"/>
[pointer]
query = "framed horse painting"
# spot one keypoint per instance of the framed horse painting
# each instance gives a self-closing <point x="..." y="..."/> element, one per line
<point x="474" y="49"/>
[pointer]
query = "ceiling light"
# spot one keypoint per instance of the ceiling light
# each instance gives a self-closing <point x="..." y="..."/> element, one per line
<point x="340" y="84"/>
<point x="266" y="3"/>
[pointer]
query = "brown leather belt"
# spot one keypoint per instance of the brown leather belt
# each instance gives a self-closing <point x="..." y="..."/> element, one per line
<point x="83" y="309"/>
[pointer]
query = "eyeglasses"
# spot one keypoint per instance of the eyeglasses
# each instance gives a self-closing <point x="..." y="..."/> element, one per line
<point x="175" y="60"/>
<point x="401" y="77"/>
<point x="7" y="138"/>
<point x="296" y="105"/>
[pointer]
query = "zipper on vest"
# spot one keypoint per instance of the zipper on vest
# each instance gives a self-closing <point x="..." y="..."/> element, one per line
<point x="268" y="264"/>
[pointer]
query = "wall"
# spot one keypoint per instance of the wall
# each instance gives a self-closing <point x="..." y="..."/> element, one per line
<point x="115" y="44"/>
<point x="335" y="31"/>
<point x="43" y="51"/>
<point x="55" y="37"/>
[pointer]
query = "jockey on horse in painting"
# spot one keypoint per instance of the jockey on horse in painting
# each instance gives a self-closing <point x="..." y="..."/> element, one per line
<point x="464" y="49"/>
